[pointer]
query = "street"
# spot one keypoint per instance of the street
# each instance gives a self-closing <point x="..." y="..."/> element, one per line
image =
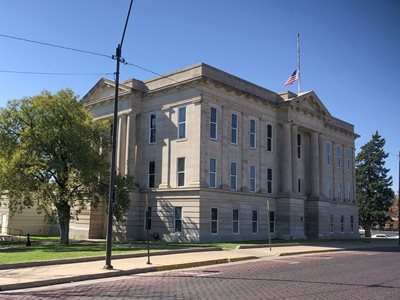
<point x="367" y="274"/>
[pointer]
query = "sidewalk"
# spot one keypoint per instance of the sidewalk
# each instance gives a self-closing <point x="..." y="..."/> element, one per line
<point x="43" y="275"/>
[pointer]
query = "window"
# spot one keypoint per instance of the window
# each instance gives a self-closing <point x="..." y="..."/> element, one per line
<point x="352" y="224"/>
<point x="329" y="188"/>
<point x="214" y="220"/>
<point x="348" y="158"/>
<point x="269" y="138"/>
<point x="269" y="181"/>
<point x="331" y="223"/>
<point x="252" y="133"/>
<point x="181" y="171"/>
<point x="328" y="154"/>
<point x="254" y="221"/>
<point x="299" y="146"/>
<point x="153" y="132"/>
<point x="299" y="185"/>
<point x="341" y="224"/>
<point x="178" y="219"/>
<point x="349" y="191"/>
<point x="234" y="129"/>
<point x="339" y="190"/>
<point x="235" y="221"/>
<point x="233" y="176"/>
<point x="213" y="173"/>
<point x="213" y="123"/>
<point x="152" y="173"/>
<point x="252" y="181"/>
<point x="148" y="218"/>
<point x="339" y="156"/>
<point x="182" y="122"/>
<point x="272" y="221"/>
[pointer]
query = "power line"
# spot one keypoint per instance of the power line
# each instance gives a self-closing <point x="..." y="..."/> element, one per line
<point x="148" y="70"/>
<point x="53" y="73"/>
<point x="54" y="45"/>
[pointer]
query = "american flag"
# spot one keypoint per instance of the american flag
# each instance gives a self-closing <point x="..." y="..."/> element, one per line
<point x="292" y="78"/>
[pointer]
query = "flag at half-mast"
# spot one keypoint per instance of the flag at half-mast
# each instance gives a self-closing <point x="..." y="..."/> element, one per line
<point x="292" y="78"/>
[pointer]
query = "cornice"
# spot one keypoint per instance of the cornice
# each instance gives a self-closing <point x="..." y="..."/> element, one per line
<point x="237" y="92"/>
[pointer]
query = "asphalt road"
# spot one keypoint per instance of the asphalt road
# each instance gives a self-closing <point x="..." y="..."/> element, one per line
<point x="337" y="275"/>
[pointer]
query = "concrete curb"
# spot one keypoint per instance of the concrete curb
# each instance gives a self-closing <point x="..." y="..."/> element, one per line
<point x="115" y="273"/>
<point x="310" y="252"/>
<point x="267" y="245"/>
<point x="371" y="248"/>
<point x="98" y="258"/>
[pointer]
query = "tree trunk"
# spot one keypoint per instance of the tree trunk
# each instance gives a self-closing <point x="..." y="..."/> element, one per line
<point x="368" y="231"/>
<point x="64" y="216"/>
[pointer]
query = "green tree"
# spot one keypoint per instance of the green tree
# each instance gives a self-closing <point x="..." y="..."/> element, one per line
<point x="55" y="157"/>
<point x="373" y="184"/>
<point x="394" y="214"/>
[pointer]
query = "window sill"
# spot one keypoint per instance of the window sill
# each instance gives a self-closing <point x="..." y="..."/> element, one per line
<point x="181" y="140"/>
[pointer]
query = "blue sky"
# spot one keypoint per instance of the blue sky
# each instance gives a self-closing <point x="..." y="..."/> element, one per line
<point x="350" y="50"/>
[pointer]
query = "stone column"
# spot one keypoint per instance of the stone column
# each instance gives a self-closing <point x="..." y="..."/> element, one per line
<point x="314" y="161"/>
<point x="287" y="159"/>
<point x="295" y="172"/>
<point x="166" y="149"/>
<point x="130" y="143"/>
<point x="132" y="159"/>
<point x="120" y="151"/>
<point x="322" y="163"/>
<point x="353" y="175"/>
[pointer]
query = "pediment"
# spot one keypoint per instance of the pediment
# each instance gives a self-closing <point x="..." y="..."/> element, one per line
<point x="311" y="102"/>
<point x="103" y="89"/>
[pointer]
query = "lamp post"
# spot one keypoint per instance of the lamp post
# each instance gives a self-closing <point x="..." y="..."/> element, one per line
<point x="111" y="192"/>
<point x="269" y="225"/>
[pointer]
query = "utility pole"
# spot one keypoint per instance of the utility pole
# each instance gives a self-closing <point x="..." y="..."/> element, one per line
<point x="112" y="188"/>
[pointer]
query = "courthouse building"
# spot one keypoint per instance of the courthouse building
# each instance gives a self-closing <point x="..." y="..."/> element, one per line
<point x="208" y="150"/>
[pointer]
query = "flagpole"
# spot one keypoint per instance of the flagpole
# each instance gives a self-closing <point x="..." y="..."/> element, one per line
<point x="298" y="64"/>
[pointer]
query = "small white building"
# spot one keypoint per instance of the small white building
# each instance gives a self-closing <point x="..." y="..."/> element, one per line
<point x="208" y="149"/>
<point x="26" y="221"/>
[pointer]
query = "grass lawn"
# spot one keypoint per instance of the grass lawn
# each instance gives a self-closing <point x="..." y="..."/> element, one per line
<point x="54" y="251"/>
<point x="48" y="248"/>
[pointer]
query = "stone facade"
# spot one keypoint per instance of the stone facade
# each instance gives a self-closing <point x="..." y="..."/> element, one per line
<point x="26" y="221"/>
<point x="208" y="150"/>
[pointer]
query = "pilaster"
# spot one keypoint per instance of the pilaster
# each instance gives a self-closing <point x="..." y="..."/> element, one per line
<point x="315" y="161"/>
<point x="287" y="159"/>
<point x="295" y="172"/>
